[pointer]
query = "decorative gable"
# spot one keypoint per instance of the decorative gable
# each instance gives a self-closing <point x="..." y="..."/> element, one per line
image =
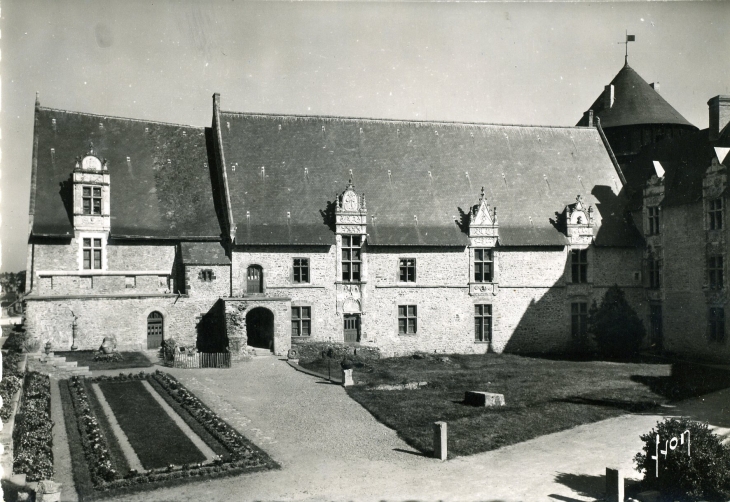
<point x="579" y="220"/>
<point x="483" y="225"/>
<point x="91" y="193"/>
<point x="350" y="212"/>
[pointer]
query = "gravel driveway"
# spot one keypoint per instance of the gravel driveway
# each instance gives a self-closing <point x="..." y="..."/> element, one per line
<point x="330" y="448"/>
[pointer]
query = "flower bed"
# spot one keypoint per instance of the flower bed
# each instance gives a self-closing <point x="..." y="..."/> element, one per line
<point x="10" y="384"/>
<point x="32" y="437"/>
<point x="241" y="456"/>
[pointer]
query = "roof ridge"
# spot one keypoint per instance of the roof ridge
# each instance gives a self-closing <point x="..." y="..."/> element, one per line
<point x="397" y="121"/>
<point x="158" y="122"/>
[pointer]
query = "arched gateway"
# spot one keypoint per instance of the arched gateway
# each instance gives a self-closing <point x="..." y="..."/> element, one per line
<point x="260" y="328"/>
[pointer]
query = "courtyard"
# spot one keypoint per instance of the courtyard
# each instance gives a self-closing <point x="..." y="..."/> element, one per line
<point x="330" y="447"/>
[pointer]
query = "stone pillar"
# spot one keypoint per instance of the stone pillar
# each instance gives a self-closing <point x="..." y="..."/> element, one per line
<point x="347" y="378"/>
<point x="614" y="485"/>
<point x="48" y="491"/>
<point x="440" y="440"/>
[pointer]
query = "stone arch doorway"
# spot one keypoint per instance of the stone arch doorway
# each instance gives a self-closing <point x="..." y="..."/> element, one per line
<point x="155" y="330"/>
<point x="260" y="328"/>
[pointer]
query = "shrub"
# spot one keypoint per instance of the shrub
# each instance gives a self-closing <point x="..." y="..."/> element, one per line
<point x="703" y="472"/>
<point x="31" y="345"/>
<point x="167" y="350"/>
<point x="617" y="329"/>
<point x="113" y="357"/>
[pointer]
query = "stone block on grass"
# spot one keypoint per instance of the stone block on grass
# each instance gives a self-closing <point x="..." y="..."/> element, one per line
<point x="476" y="398"/>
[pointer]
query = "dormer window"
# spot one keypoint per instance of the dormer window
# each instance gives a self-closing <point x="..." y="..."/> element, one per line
<point x="91" y="197"/>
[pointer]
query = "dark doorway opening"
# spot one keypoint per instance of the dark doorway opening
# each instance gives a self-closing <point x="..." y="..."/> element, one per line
<point x="657" y="331"/>
<point x="155" y="329"/>
<point x="260" y="328"/>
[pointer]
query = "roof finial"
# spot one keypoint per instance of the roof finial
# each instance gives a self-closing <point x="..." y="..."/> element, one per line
<point x="629" y="38"/>
<point x="481" y="197"/>
<point x="37" y="100"/>
<point x="91" y="148"/>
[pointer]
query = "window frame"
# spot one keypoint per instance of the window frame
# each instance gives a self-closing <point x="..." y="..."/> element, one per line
<point x="409" y="319"/>
<point x="579" y="313"/>
<point x="579" y="266"/>
<point x="715" y="272"/>
<point x="480" y="264"/>
<point x="96" y="243"/>
<point x="302" y="268"/>
<point x="299" y="320"/>
<point x="716" y="324"/>
<point x="349" y="262"/>
<point x="715" y="209"/>
<point x="480" y="314"/>
<point x="92" y="198"/>
<point x="404" y="266"/>
<point x="654" y="271"/>
<point x="654" y="220"/>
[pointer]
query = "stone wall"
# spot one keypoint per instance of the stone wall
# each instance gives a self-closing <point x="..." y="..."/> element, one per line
<point x="236" y="310"/>
<point x="685" y="304"/>
<point x="197" y="285"/>
<point x="123" y="317"/>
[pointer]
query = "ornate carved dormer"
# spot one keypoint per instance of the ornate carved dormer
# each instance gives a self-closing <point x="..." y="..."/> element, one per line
<point x="91" y="193"/>
<point x="350" y="212"/>
<point x="483" y="225"/>
<point x="579" y="222"/>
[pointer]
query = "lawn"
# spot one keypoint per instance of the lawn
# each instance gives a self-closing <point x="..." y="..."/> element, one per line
<point x="542" y="395"/>
<point x="86" y="358"/>
<point x="154" y="436"/>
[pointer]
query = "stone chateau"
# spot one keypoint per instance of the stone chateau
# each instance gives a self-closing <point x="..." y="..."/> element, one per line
<point x="273" y="230"/>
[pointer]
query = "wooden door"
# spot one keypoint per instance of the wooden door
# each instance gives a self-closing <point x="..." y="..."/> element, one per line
<point x="255" y="280"/>
<point x="154" y="330"/>
<point x="352" y="327"/>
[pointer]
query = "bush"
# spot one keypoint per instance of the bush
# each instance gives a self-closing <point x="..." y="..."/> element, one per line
<point x="167" y="350"/>
<point x="617" y="329"/>
<point x="113" y="357"/>
<point x="31" y="345"/>
<point x="704" y="473"/>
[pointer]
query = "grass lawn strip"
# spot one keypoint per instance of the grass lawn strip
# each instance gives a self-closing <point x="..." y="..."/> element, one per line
<point x="129" y="453"/>
<point x="155" y="437"/>
<point x="204" y="448"/>
<point x="86" y="358"/>
<point x="542" y="395"/>
<point x="63" y="473"/>
<point x="194" y="424"/>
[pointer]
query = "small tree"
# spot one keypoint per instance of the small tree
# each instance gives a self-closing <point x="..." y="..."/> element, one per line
<point x="698" y="468"/>
<point x="617" y="329"/>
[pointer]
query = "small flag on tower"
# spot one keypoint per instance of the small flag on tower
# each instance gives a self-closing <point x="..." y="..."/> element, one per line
<point x="631" y="38"/>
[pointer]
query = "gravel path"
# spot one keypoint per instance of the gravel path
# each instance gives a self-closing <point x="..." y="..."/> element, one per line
<point x="330" y="448"/>
<point x="61" y="452"/>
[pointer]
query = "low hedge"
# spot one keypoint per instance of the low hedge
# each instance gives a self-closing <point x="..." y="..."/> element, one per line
<point x="32" y="436"/>
<point x="11" y="382"/>
<point x="310" y="351"/>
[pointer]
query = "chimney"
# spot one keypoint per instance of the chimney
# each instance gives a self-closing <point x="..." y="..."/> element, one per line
<point x="719" y="115"/>
<point x="655" y="86"/>
<point x="589" y="113"/>
<point x="608" y="96"/>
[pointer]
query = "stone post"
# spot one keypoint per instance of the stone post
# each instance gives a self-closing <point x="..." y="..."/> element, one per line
<point x="347" y="378"/>
<point x="614" y="485"/>
<point x="439" y="440"/>
<point x="48" y="491"/>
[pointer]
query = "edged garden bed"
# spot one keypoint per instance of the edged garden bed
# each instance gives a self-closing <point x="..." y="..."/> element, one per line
<point x="98" y="471"/>
<point x="87" y="358"/>
<point x="32" y="435"/>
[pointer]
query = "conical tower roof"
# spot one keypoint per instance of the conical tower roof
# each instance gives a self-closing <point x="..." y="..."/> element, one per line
<point x="635" y="103"/>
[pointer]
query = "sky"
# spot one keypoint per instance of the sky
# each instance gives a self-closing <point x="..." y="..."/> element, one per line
<point x="518" y="63"/>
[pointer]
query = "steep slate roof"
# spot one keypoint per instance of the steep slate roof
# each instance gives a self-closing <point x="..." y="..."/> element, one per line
<point x="164" y="191"/>
<point x="204" y="253"/>
<point x="635" y="102"/>
<point x="685" y="160"/>
<point x="544" y="169"/>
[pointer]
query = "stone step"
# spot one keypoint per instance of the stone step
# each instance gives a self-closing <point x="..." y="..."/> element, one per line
<point x="17" y="479"/>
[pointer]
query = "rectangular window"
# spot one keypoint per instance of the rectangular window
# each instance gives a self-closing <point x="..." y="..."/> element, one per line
<point x="654" y="265"/>
<point x="715" y="268"/>
<point x="130" y="281"/>
<point x="483" y="265"/>
<point x="351" y="257"/>
<point x="407" y="270"/>
<point x="91" y="197"/>
<point x="301" y="270"/>
<point x="482" y="323"/>
<point x="407" y="319"/>
<point x="715" y="214"/>
<point x="579" y="265"/>
<point x="578" y="318"/>
<point x="91" y="252"/>
<point x="716" y="321"/>
<point x="301" y="321"/>
<point x="653" y="220"/>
